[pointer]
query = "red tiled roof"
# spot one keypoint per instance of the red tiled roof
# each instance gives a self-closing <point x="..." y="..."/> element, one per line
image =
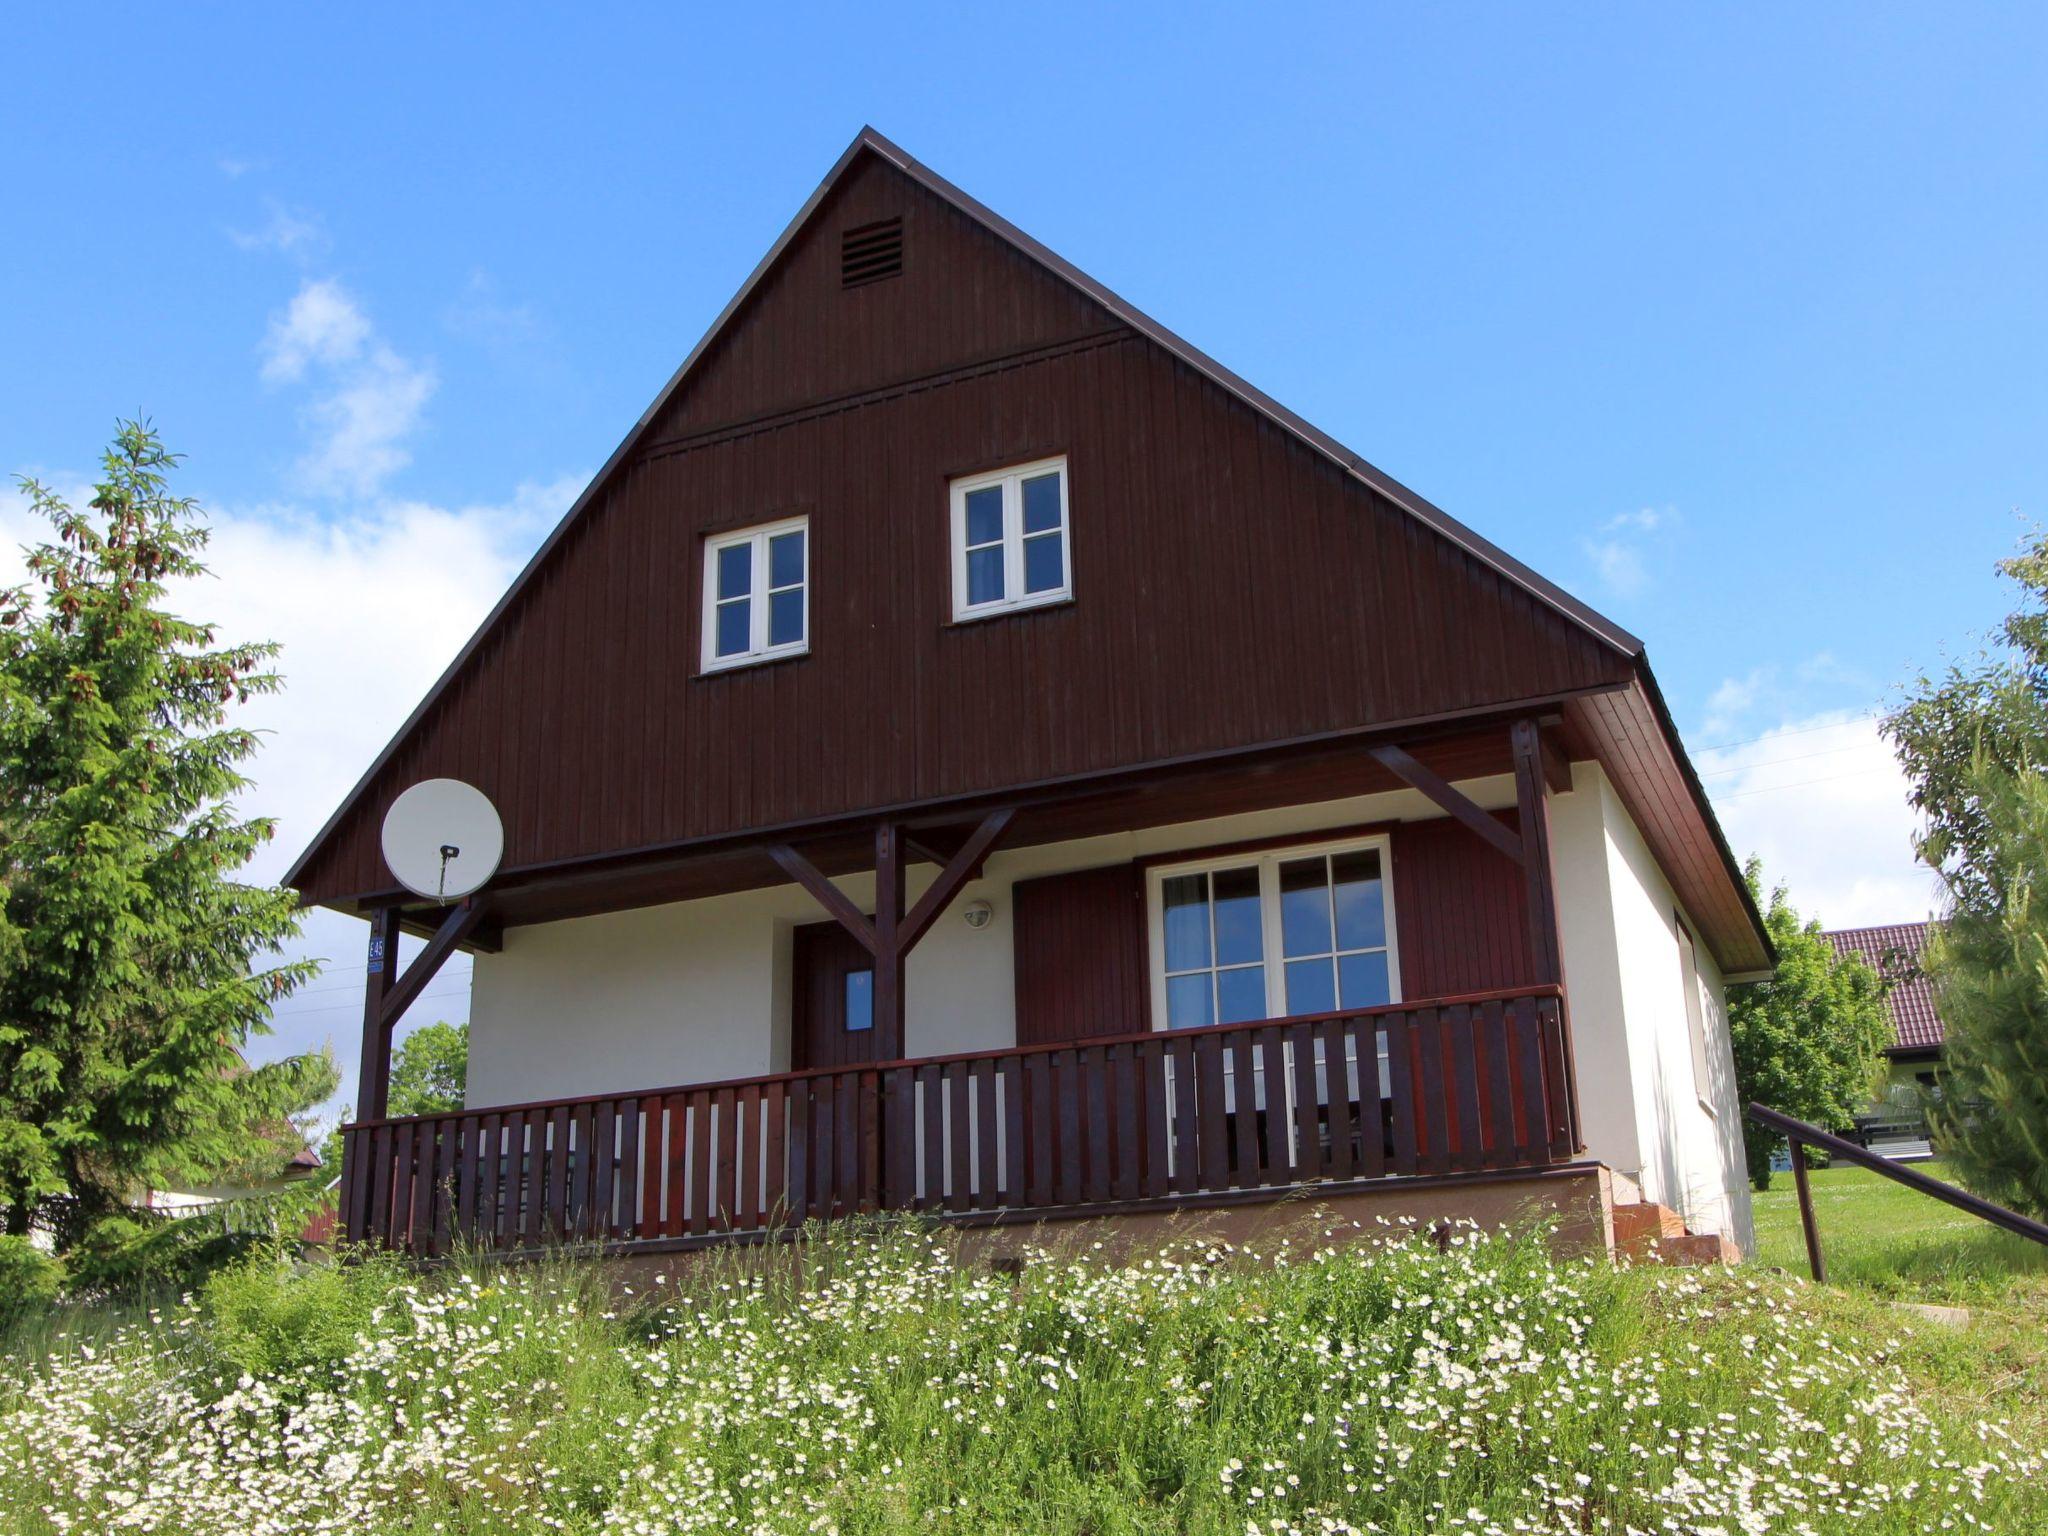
<point x="1893" y="950"/>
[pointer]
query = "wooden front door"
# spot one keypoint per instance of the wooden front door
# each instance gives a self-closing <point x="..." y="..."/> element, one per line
<point x="832" y="1016"/>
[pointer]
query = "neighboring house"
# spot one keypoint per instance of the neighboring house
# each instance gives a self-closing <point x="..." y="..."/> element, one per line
<point x="1896" y="1123"/>
<point x="955" y="721"/>
<point x="296" y="1163"/>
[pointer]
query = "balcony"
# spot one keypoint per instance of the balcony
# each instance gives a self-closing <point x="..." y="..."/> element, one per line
<point x="1447" y="1087"/>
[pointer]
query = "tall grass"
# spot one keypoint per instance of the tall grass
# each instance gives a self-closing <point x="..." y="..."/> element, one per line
<point x="872" y="1380"/>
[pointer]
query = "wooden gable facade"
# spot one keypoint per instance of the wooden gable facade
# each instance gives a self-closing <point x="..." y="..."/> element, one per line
<point x="1240" y="584"/>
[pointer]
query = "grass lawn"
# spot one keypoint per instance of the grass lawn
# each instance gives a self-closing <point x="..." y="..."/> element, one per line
<point x="1887" y="1244"/>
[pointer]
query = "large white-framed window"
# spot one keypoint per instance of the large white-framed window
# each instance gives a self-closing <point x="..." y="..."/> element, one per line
<point x="757" y="594"/>
<point x="1011" y="544"/>
<point x="1272" y="934"/>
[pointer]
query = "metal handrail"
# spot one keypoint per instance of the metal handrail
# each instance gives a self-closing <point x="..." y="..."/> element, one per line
<point x="1801" y="1135"/>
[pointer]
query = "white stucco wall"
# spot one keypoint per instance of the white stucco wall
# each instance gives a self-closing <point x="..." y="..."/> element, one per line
<point x="697" y="991"/>
<point x="1644" y="1109"/>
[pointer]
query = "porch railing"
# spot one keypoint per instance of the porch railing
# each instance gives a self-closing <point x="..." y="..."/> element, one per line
<point x="1452" y="1085"/>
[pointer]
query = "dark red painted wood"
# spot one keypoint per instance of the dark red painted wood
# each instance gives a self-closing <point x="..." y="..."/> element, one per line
<point x="1079" y="942"/>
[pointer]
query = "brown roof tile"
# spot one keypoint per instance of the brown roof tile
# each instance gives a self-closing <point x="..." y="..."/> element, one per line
<point x="1893" y="950"/>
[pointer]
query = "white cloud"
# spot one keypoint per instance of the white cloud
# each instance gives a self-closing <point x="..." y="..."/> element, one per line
<point x="322" y="324"/>
<point x="370" y="398"/>
<point x="291" y="231"/>
<point x="1620" y="548"/>
<point x="1823" y="801"/>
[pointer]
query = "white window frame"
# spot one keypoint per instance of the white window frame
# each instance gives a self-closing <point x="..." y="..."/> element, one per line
<point x="1692" y="998"/>
<point x="1011" y="479"/>
<point x="1268" y="862"/>
<point x="758" y="649"/>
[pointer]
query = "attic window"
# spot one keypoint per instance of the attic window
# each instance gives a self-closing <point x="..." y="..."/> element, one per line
<point x="871" y="252"/>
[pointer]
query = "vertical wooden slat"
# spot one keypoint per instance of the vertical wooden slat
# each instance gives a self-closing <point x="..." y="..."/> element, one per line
<point x="985" y="1142"/>
<point x="725" y="1159"/>
<point x="932" y="1189"/>
<point x="899" y="1123"/>
<point x="1364" y="1037"/>
<point x="1185" y="1157"/>
<point x="579" y="1222"/>
<point x="676" y="1131"/>
<point x="959" y="1151"/>
<point x="1332" y="1035"/>
<point x="846" y="1124"/>
<point x="484" y="1227"/>
<point x="802" y="1159"/>
<point x="1273" y="1056"/>
<point x="1493" y="1044"/>
<point x="1308" y="1119"/>
<point x="1066" y="1091"/>
<point x="425" y="1180"/>
<point x="824" y="1095"/>
<point x="556" y="1223"/>
<point x="1400" y="1031"/>
<point x="775" y="1201"/>
<point x="1013" y="1131"/>
<point x="1432" y="1127"/>
<point x="1209" y="1086"/>
<point x="463" y="1229"/>
<point x="700" y="1163"/>
<point x="868" y="1095"/>
<point x="1039" y="1090"/>
<point x="1126" y="1123"/>
<point x="1245" y="1090"/>
<point x="1557" y="1076"/>
<point x="1092" y="1070"/>
<point x="626" y="1180"/>
<point x="1461" y="1067"/>
<point x="1533" y="1144"/>
<point x="1149" y="1062"/>
<point x="746" y="1206"/>
<point x="377" y="1173"/>
<point x="345" y="1223"/>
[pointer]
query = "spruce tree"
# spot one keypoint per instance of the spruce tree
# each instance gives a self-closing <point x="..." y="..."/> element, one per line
<point x="134" y="965"/>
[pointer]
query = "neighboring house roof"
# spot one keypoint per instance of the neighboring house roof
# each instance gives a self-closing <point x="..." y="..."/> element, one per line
<point x="1893" y="950"/>
<point x="331" y="871"/>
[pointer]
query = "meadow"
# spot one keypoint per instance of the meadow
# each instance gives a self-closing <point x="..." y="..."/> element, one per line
<point x="878" y="1380"/>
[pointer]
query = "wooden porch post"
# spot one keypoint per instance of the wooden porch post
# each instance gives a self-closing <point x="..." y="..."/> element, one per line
<point x="373" y="1078"/>
<point x="890" y="950"/>
<point x="1546" y="950"/>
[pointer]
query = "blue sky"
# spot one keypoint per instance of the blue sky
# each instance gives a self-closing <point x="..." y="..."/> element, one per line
<point x="1730" y="319"/>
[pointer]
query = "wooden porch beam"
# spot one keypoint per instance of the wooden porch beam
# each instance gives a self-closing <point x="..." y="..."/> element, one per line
<point x="1557" y="768"/>
<point x="826" y="894"/>
<point x="1421" y="777"/>
<point x="889" y="946"/>
<point x="964" y="865"/>
<point x="455" y="928"/>
<point x="1539" y="882"/>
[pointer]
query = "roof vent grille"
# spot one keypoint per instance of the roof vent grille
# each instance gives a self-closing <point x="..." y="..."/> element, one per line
<point x="871" y="252"/>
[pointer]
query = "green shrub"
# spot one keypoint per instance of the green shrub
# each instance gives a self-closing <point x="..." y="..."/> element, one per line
<point x="268" y="1318"/>
<point x="134" y="1256"/>
<point x="29" y="1281"/>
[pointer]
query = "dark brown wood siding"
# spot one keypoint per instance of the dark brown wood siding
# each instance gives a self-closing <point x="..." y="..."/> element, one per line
<point x="1080" y="954"/>
<point x="1232" y="587"/>
<point x="1459" y="912"/>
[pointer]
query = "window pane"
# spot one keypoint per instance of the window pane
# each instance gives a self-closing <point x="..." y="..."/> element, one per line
<point x="1311" y="986"/>
<point x="736" y="569"/>
<point x="1188" y="1004"/>
<point x="1041" y="503"/>
<point x="1239" y="935"/>
<point x="985" y="516"/>
<point x="1241" y="994"/>
<point x="985" y="575"/>
<point x="734" y="622"/>
<point x="1044" y="570"/>
<point x="786" y="559"/>
<point x="1185" y="900"/>
<point x="1362" y="980"/>
<point x="1361" y="900"/>
<point x="1305" y="908"/>
<point x="860" y="1000"/>
<point x="786" y="617"/>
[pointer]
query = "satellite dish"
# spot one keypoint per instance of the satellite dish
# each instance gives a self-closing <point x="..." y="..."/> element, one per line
<point x="443" y="839"/>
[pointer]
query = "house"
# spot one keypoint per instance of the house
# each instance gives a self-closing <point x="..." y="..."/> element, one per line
<point x="968" y="750"/>
<point x="1896" y="1123"/>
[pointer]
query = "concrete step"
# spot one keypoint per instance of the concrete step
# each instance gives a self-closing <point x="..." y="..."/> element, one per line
<point x="1635" y="1226"/>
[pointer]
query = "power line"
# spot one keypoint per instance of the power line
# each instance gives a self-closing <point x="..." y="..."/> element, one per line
<point x="1774" y="762"/>
<point x="1772" y="789"/>
<point x="1804" y="730"/>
